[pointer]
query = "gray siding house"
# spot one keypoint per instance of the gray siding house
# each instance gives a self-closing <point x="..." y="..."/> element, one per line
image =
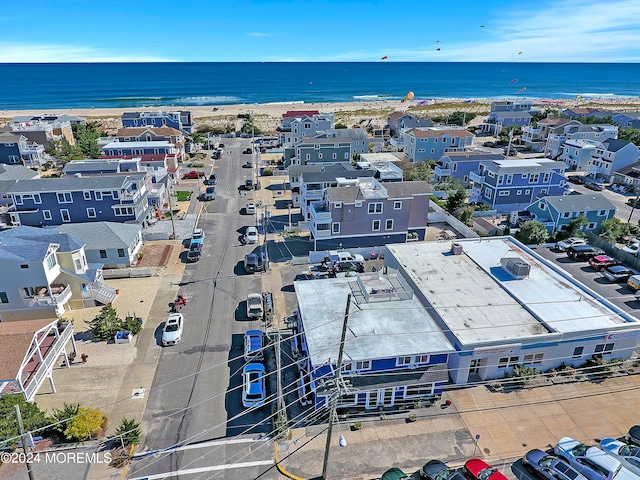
<point x="399" y="121"/>
<point x="459" y="165"/>
<point x="431" y="143"/>
<point x="370" y="213"/>
<point x="116" y="245"/>
<point x="556" y="213"/>
<point x="318" y="150"/>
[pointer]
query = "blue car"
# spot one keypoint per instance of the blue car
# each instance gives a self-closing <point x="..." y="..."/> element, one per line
<point x="253" y="387"/>
<point x="590" y="461"/>
<point x="550" y="467"/>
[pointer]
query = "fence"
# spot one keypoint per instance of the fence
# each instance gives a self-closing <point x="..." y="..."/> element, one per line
<point x="438" y="215"/>
<point x="628" y="259"/>
<point x="132" y="272"/>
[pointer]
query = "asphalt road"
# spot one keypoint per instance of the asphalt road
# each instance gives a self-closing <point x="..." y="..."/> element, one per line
<point x="623" y="211"/>
<point x="196" y="398"/>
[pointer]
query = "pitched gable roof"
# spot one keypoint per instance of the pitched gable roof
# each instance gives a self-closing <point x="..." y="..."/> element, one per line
<point x="15" y="339"/>
<point x="589" y="202"/>
<point x="613" y="144"/>
<point x="300" y="113"/>
<point x="99" y="235"/>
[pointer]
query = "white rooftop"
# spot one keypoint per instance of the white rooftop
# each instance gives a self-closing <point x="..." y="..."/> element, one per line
<point x="524" y="162"/>
<point x="480" y="302"/>
<point x="391" y="323"/>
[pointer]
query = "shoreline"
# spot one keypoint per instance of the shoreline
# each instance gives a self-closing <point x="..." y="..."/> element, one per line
<point x="268" y="115"/>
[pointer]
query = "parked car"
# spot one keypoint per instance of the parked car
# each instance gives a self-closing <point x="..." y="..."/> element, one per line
<point x="617" y="273"/>
<point x="253" y="390"/>
<point x="437" y="470"/>
<point x="253" y="345"/>
<point x="212" y="180"/>
<point x="593" y="185"/>
<point x="413" y="237"/>
<point x="603" y="261"/>
<point x="590" y="461"/>
<point x="564" y="245"/>
<point x="568" y="190"/>
<point x="476" y="469"/>
<point x="632" y="248"/>
<point x="255" y="307"/>
<point x="193" y="174"/>
<point x="489" y="144"/>
<point x="634" y="284"/>
<point x="634" y="202"/>
<point x="252" y="263"/>
<point x="629" y="455"/>
<point x="550" y="467"/>
<point x="583" y="252"/>
<point x="510" y="152"/>
<point x="209" y="193"/>
<point x="633" y="435"/>
<point x="247" y="151"/>
<point x="194" y="253"/>
<point x="250" y="208"/>
<point x="350" y="267"/>
<point x="395" y="474"/>
<point x="172" y="330"/>
<point x="248" y="184"/>
<point x="197" y="236"/>
<point x="578" y="179"/>
<point x="248" y="164"/>
<point x="251" y="235"/>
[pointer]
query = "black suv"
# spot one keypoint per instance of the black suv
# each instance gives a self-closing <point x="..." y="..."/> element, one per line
<point x="583" y="252"/>
<point x="252" y="263"/>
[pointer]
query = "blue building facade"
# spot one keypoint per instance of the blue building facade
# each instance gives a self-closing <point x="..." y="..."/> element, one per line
<point x="106" y="198"/>
<point x="459" y="165"/>
<point x="180" y="120"/>
<point x="508" y="185"/>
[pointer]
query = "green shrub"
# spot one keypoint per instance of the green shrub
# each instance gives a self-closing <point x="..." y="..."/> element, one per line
<point x="129" y="432"/>
<point x="107" y="324"/>
<point x="267" y="172"/>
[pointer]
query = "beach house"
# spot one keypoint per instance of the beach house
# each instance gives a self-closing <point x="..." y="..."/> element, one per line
<point x="507" y="113"/>
<point x="53" y="201"/>
<point x="534" y="137"/>
<point x="508" y="185"/>
<point x="612" y="155"/>
<point x="556" y="213"/>
<point x="627" y="120"/>
<point x="295" y="125"/>
<point x="571" y="131"/>
<point x="112" y="244"/>
<point x="314" y="183"/>
<point x="15" y="149"/>
<point x="46" y="273"/>
<point x="459" y="165"/>
<point x="431" y="143"/>
<point x="366" y="212"/>
<point x="180" y="120"/>
<point x="44" y="130"/>
<point x="399" y="121"/>
<point x="318" y="150"/>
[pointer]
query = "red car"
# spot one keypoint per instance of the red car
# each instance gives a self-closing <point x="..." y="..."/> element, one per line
<point x="193" y="174"/>
<point x="600" y="262"/>
<point x="477" y="469"/>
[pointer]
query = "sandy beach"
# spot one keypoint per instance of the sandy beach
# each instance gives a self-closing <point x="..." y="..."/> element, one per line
<point x="268" y="115"/>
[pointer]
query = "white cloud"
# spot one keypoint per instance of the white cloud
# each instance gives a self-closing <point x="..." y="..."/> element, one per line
<point x="32" y="53"/>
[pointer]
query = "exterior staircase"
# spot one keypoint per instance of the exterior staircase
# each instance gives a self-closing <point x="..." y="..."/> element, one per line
<point x="103" y="293"/>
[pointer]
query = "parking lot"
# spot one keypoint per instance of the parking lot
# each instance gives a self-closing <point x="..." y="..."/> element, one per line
<point x="619" y="294"/>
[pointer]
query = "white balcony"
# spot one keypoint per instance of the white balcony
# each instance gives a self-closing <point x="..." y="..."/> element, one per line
<point x="442" y="172"/>
<point x="475" y="178"/>
<point x="320" y="212"/>
<point x="55" y="296"/>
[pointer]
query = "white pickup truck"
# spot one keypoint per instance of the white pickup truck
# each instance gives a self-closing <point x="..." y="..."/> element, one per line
<point x="255" y="307"/>
<point x="342" y="256"/>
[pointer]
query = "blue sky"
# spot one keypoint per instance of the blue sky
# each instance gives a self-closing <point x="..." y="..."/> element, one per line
<point x="321" y="30"/>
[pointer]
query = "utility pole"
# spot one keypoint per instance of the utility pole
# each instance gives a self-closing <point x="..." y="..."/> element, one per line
<point x="510" y="139"/>
<point x="336" y="394"/>
<point x="265" y="250"/>
<point x="173" y="224"/>
<point x="25" y="444"/>
<point x="633" y="207"/>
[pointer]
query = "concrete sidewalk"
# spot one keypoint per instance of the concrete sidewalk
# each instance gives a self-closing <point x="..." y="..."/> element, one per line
<point x="509" y="425"/>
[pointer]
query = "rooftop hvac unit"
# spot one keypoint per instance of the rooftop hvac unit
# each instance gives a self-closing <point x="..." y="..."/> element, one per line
<point x="516" y="266"/>
<point x="456" y="249"/>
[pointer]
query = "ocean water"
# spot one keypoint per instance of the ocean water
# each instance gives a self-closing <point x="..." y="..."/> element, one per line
<point x="100" y="85"/>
